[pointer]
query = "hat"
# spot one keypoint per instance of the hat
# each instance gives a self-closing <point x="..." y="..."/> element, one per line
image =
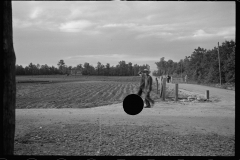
<point x="146" y="70"/>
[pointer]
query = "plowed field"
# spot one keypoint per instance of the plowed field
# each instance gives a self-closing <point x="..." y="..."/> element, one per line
<point x="79" y="94"/>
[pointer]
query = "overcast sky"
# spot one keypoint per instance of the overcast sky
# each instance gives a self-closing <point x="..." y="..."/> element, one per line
<point x="108" y="32"/>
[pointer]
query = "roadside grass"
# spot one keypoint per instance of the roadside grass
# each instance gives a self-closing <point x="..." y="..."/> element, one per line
<point x="229" y="86"/>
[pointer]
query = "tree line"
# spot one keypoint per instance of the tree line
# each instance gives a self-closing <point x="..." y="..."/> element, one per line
<point x="121" y="69"/>
<point x="203" y="65"/>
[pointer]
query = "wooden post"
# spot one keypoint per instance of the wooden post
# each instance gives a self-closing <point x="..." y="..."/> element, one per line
<point x="157" y="84"/>
<point x="160" y="88"/>
<point x="163" y="89"/>
<point x="176" y="92"/>
<point x="207" y="94"/>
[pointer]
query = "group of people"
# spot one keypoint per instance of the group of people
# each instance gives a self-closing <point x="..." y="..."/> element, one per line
<point x="146" y="87"/>
<point x="169" y="79"/>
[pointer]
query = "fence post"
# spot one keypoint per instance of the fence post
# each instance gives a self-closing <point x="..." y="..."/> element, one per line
<point x="160" y="88"/>
<point x="163" y="89"/>
<point x="207" y="94"/>
<point x="157" y="85"/>
<point x="176" y="92"/>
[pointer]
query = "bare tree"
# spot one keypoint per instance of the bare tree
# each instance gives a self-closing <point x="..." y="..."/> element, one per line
<point x="9" y="83"/>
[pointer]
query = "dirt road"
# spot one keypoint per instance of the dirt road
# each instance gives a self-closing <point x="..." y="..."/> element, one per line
<point x="226" y="96"/>
<point x="169" y="128"/>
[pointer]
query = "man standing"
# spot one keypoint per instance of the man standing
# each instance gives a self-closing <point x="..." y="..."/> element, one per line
<point x="147" y="88"/>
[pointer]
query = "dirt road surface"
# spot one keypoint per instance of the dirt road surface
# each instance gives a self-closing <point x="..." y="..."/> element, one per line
<point x="169" y="128"/>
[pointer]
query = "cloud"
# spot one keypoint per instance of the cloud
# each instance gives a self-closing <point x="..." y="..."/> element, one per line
<point x="74" y="13"/>
<point x="142" y="27"/>
<point x="35" y="13"/>
<point x="72" y="26"/>
<point x="155" y="34"/>
<point x="226" y="32"/>
<point x="155" y="27"/>
<point x="144" y="30"/>
<point x="215" y="32"/>
<point x="150" y="17"/>
<point x="143" y="59"/>
<point x="39" y="24"/>
<point x="115" y="25"/>
<point x="97" y="56"/>
<point x="129" y="28"/>
<point x="114" y="57"/>
<point x="155" y="30"/>
<point x="20" y="23"/>
<point x="198" y="34"/>
<point x="201" y="33"/>
<point x="75" y="26"/>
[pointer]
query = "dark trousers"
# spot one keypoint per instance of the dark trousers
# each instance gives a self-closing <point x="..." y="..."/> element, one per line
<point x="148" y="99"/>
<point x="139" y="92"/>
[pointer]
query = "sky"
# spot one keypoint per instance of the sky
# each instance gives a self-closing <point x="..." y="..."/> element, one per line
<point x="44" y="32"/>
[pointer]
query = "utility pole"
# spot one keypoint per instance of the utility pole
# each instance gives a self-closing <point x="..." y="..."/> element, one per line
<point x="219" y="65"/>
<point x="181" y="68"/>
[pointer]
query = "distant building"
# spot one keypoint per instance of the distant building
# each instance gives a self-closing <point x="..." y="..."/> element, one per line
<point x="76" y="72"/>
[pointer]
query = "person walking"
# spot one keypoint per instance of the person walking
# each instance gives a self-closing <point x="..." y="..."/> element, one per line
<point x="186" y="79"/>
<point x="168" y="78"/>
<point x="147" y="88"/>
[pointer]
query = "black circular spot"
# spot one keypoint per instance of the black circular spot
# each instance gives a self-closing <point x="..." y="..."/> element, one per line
<point x="133" y="104"/>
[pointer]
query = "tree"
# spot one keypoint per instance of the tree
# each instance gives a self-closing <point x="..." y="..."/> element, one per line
<point x="162" y="66"/>
<point x="123" y="68"/>
<point x="9" y="81"/>
<point x="227" y="55"/>
<point x="69" y="68"/>
<point x="79" y="67"/>
<point x="61" y="65"/>
<point x="20" y="70"/>
<point x="30" y="66"/>
<point x="86" y="68"/>
<point x="130" y="69"/>
<point x="64" y="69"/>
<point x="107" y="69"/>
<point x="170" y="65"/>
<point x="38" y="68"/>
<point x="202" y="66"/>
<point x="91" y="70"/>
<point x="33" y="69"/>
<point x="229" y="69"/>
<point x="98" y="68"/>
